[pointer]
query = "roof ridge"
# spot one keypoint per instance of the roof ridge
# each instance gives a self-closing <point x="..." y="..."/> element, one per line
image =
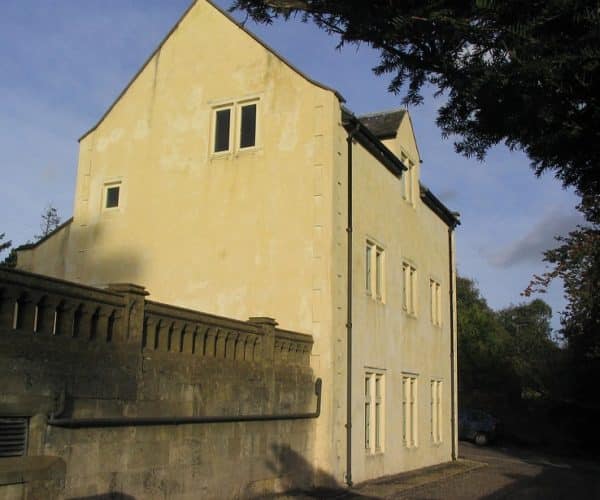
<point x="383" y="112"/>
<point x="172" y="30"/>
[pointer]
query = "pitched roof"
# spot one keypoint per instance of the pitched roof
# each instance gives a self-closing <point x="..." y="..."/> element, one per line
<point x="383" y="125"/>
<point x="240" y="26"/>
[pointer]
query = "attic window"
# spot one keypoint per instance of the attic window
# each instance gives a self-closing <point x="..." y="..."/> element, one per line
<point x="248" y="126"/>
<point x="235" y="127"/>
<point x="111" y="195"/>
<point x="222" y="129"/>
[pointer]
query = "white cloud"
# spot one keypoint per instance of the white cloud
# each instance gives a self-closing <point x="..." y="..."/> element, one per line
<point x="530" y="248"/>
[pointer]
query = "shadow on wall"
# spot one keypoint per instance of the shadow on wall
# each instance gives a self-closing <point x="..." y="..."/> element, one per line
<point x="297" y="477"/>
<point x="102" y="261"/>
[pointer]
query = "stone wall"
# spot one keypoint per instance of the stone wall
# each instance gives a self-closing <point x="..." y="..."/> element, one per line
<point x="115" y="389"/>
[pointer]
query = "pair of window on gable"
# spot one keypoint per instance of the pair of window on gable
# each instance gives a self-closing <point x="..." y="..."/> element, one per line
<point x="235" y="124"/>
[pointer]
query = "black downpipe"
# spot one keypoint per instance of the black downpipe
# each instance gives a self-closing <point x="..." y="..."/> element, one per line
<point x="74" y="423"/>
<point x="452" y="353"/>
<point x="349" y="230"/>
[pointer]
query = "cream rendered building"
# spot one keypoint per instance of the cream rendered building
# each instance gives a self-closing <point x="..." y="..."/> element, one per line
<point x="219" y="180"/>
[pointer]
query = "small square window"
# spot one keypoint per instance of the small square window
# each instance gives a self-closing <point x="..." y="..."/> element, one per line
<point x="112" y="196"/>
<point x="248" y="126"/>
<point x="222" y="130"/>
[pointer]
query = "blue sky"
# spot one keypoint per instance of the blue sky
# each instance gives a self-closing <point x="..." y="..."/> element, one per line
<point x="62" y="63"/>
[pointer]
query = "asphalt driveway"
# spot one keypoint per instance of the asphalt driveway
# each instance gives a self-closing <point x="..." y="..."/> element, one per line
<point x="515" y="474"/>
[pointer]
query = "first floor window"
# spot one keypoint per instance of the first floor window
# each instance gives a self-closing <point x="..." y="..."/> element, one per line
<point x="435" y="292"/>
<point x="409" y="288"/>
<point x="368" y="255"/>
<point x="436" y="411"/>
<point x="374" y="412"/>
<point x="374" y="271"/>
<point x="409" y="411"/>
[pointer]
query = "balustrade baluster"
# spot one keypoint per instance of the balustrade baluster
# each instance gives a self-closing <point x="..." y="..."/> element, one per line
<point x="240" y="347"/>
<point x="198" y="345"/>
<point x="210" y="341"/>
<point x="149" y="333"/>
<point x="86" y="315"/>
<point x="221" y="339"/>
<point x="102" y="316"/>
<point x="175" y="337"/>
<point x="46" y="315"/>
<point x="162" y="333"/>
<point x="8" y="299"/>
<point x="257" y="350"/>
<point x="65" y="319"/>
<point x="230" y="341"/>
<point x="187" y="338"/>
<point x="27" y="311"/>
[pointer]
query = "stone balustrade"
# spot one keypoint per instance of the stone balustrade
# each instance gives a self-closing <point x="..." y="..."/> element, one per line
<point x="39" y="305"/>
<point x="175" y="329"/>
<point x="34" y="304"/>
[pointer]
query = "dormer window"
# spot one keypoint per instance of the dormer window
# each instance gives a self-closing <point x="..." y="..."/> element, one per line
<point x="408" y="180"/>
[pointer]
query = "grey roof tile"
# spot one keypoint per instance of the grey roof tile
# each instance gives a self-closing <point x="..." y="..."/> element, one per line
<point x="383" y="125"/>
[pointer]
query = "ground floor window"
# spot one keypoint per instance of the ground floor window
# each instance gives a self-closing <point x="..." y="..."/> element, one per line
<point x="409" y="411"/>
<point x="374" y="412"/>
<point x="436" y="411"/>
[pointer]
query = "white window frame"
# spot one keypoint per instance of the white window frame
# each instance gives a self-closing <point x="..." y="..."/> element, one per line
<point x="375" y="270"/>
<point x="105" y="187"/>
<point x="436" y="411"/>
<point x="410" y="402"/>
<point x="369" y="268"/>
<point x="435" y="297"/>
<point x="239" y="106"/>
<point x="235" y="126"/>
<point x="374" y="411"/>
<point x="409" y="289"/>
<point x="213" y="143"/>
<point x="408" y="176"/>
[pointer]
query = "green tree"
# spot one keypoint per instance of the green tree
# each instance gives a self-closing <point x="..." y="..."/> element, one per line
<point x="485" y="374"/>
<point x="525" y="73"/>
<point x="535" y="358"/>
<point x="4" y="245"/>
<point x="576" y="261"/>
<point x="11" y="259"/>
<point x="50" y="221"/>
